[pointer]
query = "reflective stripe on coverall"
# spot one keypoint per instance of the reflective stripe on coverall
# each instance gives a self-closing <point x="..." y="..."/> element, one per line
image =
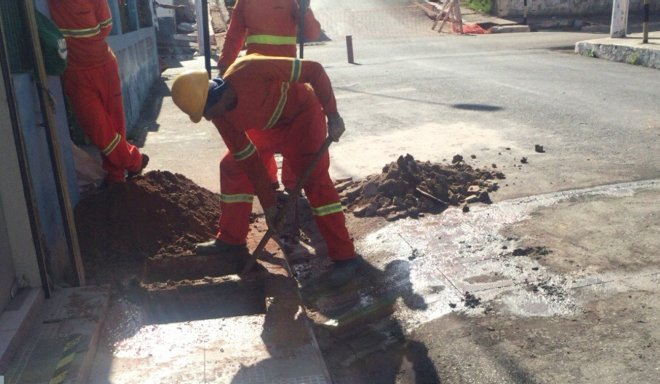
<point x="270" y="95"/>
<point x="92" y="84"/>
<point x="270" y="28"/>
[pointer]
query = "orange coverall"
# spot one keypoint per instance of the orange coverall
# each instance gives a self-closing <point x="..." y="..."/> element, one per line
<point x="270" y="28"/>
<point x="92" y="84"/>
<point x="277" y="112"/>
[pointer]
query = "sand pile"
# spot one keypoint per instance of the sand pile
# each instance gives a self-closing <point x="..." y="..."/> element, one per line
<point x="410" y="188"/>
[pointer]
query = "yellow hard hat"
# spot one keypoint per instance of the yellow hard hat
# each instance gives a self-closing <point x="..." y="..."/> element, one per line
<point x="189" y="93"/>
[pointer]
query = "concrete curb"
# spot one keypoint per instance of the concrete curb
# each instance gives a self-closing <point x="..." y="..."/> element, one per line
<point x="628" y="50"/>
<point x="510" y="29"/>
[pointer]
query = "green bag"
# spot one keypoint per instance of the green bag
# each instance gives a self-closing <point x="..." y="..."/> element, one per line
<point x="53" y="45"/>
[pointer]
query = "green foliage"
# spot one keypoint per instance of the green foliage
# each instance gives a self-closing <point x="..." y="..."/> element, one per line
<point x="634" y="59"/>
<point x="483" y="6"/>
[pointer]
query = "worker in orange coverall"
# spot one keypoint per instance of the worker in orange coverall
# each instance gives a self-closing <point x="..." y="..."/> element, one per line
<point x="261" y="106"/>
<point x="92" y="84"/>
<point x="270" y="28"/>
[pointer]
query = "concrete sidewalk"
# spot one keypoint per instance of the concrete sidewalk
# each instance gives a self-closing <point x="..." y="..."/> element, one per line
<point x="126" y="333"/>
<point x="629" y="49"/>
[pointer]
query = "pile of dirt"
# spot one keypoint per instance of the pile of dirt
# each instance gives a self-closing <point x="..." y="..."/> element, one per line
<point x="410" y="188"/>
<point x="159" y="213"/>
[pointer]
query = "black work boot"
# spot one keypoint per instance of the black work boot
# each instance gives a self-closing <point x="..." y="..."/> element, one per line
<point x="343" y="272"/>
<point x="217" y="246"/>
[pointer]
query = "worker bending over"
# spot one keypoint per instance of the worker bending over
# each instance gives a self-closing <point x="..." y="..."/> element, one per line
<point x="270" y="28"/>
<point x="264" y="105"/>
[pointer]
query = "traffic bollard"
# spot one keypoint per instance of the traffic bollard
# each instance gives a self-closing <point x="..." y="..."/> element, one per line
<point x="349" y="47"/>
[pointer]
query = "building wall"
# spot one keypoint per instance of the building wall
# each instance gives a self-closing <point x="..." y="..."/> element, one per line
<point x="138" y="66"/>
<point x="42" y="175"/>
<point x="514" y="8"/>
<point x="137" y="55"/>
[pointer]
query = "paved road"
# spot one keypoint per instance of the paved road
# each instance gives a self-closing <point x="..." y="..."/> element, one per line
<point x="433" y="97"/>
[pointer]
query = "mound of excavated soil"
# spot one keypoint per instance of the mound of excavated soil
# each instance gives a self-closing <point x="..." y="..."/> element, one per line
<point x="409" y="188"/>
<point x="159" y="213"/>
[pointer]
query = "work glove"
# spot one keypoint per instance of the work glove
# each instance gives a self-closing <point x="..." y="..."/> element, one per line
<point x="335" y="126"/>
<point x="271" y="213"/>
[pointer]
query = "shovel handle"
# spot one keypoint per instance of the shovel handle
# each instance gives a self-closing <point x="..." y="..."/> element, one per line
<point x="293" y="196"/>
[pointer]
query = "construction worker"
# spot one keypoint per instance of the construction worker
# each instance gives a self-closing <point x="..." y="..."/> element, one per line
<point x="269" y="27"/>
<point x="92" y="84"/>
<point x="262" y="106"/>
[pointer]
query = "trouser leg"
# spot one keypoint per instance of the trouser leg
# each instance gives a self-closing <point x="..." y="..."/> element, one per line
<point x="236" y="197"/>
<point x="95" y="97"/>
<point x="308" y="132"/>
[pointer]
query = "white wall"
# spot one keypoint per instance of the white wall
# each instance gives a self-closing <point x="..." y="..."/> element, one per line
<point x="515" y="8"/>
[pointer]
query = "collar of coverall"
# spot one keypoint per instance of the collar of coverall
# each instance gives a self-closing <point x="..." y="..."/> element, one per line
<point x="217" y="87"/>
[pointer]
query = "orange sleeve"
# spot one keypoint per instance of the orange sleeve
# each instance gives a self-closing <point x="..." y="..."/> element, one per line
<point x="313" y="73"/>
<point x="103" y="16"/>
<point x="246" y="155"/>
<point x="312" y="26"/>
<point x="235" y="36"/>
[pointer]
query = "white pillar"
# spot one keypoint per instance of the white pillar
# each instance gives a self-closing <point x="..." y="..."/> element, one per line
<point x="200" y="28"/>
<point x="619" y="25"/>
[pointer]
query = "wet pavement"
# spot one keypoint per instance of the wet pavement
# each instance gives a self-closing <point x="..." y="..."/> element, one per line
<point x="485" y="296"/>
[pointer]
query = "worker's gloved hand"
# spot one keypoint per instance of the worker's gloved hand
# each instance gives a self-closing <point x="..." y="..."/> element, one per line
<point x="271" y="219"/>
<point x="335" y="126"/>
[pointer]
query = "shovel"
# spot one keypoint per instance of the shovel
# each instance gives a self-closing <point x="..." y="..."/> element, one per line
<point x="290" y="201"/>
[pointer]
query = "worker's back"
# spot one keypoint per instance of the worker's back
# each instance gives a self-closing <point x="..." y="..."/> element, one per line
<point x="268" y="27"/>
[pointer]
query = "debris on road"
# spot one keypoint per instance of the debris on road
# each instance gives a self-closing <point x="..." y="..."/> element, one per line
<point x="411" y="188"/>
<point x="539" y="148"/>
<point x="536" y="252"/>
<point x="470" y="300"/>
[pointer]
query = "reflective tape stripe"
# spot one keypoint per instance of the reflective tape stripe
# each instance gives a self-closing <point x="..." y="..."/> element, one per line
<point x="106" y="23"/>
<point x="86" y="32"/>
<point x="113" y="144"/>
<point x="295" y="71"/>
<point x="271" y="39"/>
<point x="240" y="198"/>
<point x="245" y="153"/>
<point x="280" y="106"/>
<point x="327" y="209"/>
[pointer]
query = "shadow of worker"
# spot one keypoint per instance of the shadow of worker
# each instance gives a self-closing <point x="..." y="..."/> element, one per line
<point x="361" y="339"/>
<point x="291" y="354"/>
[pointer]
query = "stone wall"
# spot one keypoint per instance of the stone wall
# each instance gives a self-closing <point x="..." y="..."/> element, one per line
<point x="514" y="8"/>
